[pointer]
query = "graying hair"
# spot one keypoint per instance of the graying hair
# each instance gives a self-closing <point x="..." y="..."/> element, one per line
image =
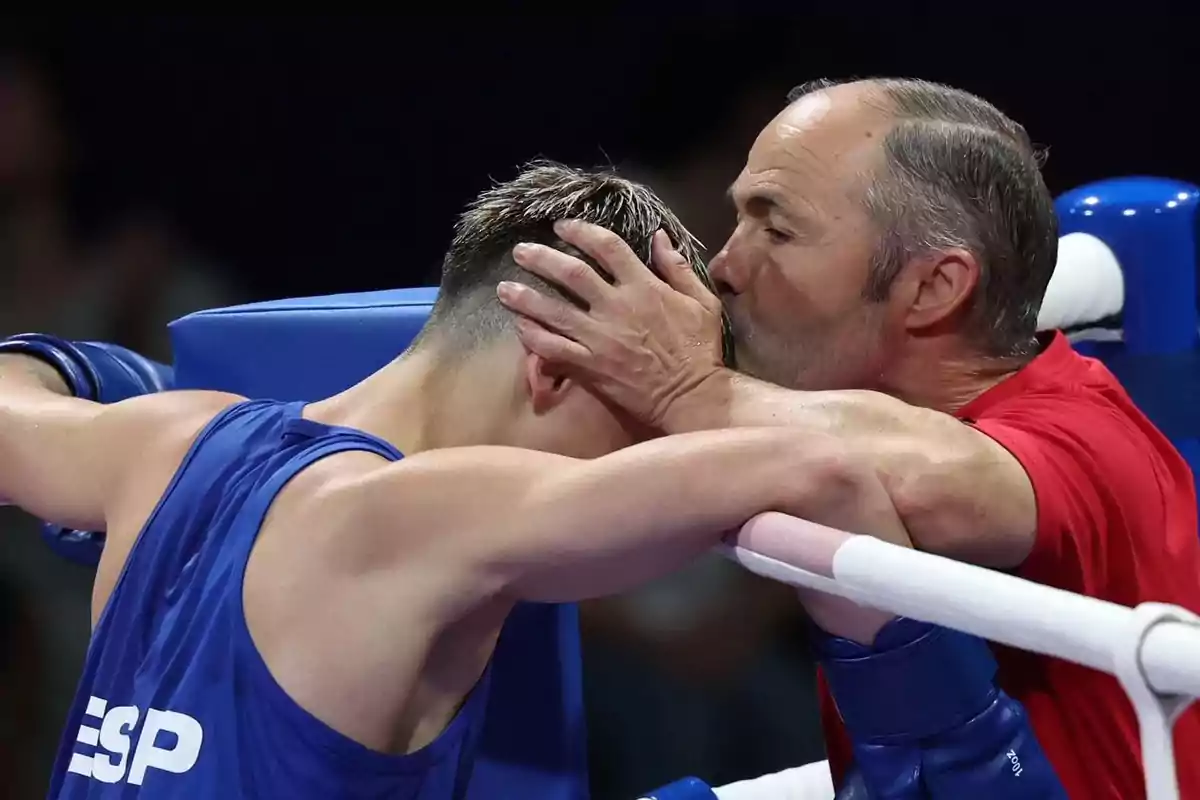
<point x="524" y="210"/>
<point x="959" y="173"/>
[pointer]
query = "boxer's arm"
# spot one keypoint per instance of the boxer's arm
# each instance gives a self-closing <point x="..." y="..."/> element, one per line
<point x="959" y="492"/>
<point x="66" y="460"/>
<point x="550" y="528"/>
<point x="45" y="462"/>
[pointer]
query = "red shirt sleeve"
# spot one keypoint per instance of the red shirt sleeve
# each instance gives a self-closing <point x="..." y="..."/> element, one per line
<point x="1101" y="474"/>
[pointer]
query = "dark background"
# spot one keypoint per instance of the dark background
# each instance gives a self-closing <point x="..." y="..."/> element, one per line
<point x="322" y="155"/>
<point x="218" y="160"/>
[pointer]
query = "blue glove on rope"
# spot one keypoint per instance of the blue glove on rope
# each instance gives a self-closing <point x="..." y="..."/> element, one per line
<point x="104" y="373"/>
<point x="927" y="720"/>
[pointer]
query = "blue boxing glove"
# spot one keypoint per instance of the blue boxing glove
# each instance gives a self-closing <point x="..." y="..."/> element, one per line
<point x="78" y="547"/>
<point x="927" y="720"/>
<point x="683" y="789"/>
<point x="854" y="787"/>
<point x="104" y="373"/>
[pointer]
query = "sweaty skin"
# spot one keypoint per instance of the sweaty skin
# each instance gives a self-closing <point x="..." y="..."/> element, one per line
<point x="813" y="352"/>
<point x="1018" y="455"/>
<point x="405" y="571"/>
<point x="932" y="464"/>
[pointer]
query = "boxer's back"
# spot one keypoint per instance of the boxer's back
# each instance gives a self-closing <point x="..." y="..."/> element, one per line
<point x="175" y="699"/>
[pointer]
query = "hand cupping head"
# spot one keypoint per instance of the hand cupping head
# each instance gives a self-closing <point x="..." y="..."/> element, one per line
<point x="557" y="410"/>
<point x="525" y="210"/>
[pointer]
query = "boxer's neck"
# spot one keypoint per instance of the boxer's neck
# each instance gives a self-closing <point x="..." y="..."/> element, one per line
<point x="424" y="401"/>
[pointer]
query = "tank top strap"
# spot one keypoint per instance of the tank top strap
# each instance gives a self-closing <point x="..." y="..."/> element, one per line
<point x="317" y="441"/>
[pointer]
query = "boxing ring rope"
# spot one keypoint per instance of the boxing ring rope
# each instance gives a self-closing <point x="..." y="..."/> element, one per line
<point x="1153" y="650"/>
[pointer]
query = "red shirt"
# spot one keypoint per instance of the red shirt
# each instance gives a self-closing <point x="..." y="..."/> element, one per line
<point x="1117" y="521"/>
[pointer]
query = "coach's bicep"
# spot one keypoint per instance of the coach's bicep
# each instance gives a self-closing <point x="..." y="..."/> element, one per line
<point x="960" y="493"/>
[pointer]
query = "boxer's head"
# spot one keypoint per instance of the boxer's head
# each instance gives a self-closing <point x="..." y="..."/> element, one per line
<point x="886" y="228"/>
<point x="544" y="407"/>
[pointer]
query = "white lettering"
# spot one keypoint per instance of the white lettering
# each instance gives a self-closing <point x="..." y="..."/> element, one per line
<point x="1016" y="762"/>
<point x="116" y="736"/>
<point x="81" y="764"/>
<point x="180" y="758"/>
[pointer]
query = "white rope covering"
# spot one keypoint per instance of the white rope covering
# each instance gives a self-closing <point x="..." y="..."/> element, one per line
<point x="1154" y="650"/>
<point x="810" y="782"/>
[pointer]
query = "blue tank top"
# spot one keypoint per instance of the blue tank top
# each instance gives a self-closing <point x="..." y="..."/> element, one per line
<point x="175" y="700"/>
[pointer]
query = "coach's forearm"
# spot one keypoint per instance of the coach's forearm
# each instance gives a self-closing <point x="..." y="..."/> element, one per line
<point x="954" y="488"/>
<point x="728" y="399"/>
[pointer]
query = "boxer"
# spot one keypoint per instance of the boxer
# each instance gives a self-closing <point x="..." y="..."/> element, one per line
<point x="894" y="241"/>
<point x="301" y="600"/>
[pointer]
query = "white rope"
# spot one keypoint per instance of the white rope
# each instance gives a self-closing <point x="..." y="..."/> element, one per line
<point x="983" y="602"/>
<point x="1154" y="650"/>
<point x="810" y="782"/>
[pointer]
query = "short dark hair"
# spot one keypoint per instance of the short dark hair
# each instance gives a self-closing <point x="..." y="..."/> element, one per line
<point x="525" y="210"/>
<point x="958" y="172"/>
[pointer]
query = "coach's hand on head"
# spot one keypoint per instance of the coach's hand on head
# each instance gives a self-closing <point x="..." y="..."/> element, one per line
<point x="886" y="313"/>
<point x="653" y="345"/>
<point x="644" y="341"/>
<point x="839" y="330"/>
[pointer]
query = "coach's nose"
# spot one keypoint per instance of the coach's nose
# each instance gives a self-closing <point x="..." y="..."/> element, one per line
<point x="728" y="270"/>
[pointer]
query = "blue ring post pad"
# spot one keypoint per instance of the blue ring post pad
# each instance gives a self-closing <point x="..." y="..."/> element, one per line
<point x="917" y="680"/>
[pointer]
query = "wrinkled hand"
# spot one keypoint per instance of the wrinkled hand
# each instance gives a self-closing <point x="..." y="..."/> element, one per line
<point x="643" y="341"/>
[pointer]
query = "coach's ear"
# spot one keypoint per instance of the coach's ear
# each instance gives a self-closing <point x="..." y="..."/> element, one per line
<point x="547" y="384"/>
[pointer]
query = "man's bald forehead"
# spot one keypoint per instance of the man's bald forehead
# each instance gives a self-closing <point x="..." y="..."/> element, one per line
<point x="811" y="160"/>
<point x="807" y="110"/>
<point x="833" y="123"/>
<point x="865" y="97"/>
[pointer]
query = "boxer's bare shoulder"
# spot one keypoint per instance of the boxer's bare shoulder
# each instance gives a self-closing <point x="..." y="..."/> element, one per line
<point x="141" y="443"/>
<point x="398" y="576"/>
<point x="90" y="466"/>
<point x="346" y="590"/>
